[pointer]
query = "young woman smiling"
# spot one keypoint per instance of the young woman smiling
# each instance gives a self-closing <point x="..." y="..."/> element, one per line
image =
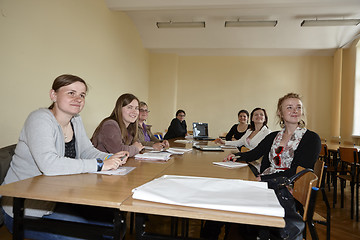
<point x="283" y="151"/>
<point x="145" y="136"/>
<point x="118" y="132"/>
<point x="239" y="129"/>
<point x="257" y="131"/>
<point x="53" y="141"/>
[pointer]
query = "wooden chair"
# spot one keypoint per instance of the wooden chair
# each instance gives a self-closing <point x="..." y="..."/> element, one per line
<point x="330" y="169"/>
<point x="320" y="171"/>
<point x="6" y="154"/>
<point x="159" y="135"/>
<point x="304" y="192"/>
<point x="348" y="173"/>
<point x="244" y="149"/>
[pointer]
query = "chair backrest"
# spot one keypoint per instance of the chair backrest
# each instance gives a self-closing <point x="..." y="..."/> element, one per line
<point x="158" y="135"/>
<point x="244" y="149"/>
<point x="323" y="151"/>
<point x="319" y="171"/>
<point x="348" y="154"/>
<point x="6" y="154"/>
<point x="302" y="189"/>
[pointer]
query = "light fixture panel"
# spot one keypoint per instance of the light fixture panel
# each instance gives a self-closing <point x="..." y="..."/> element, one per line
<point x="330" y="22"/>
<point x="270" y="23"/>
<point x="180" y="24"/>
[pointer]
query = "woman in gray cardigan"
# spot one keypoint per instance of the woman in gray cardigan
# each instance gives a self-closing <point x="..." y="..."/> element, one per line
<point x="53" y="141"/>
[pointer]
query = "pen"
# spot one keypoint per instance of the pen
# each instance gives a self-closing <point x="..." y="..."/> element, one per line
<point x="235" y="157"/>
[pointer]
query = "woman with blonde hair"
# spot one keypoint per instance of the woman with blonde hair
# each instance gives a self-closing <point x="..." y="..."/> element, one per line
<point x="118" y="132"/>
<point x="283" y="151"/>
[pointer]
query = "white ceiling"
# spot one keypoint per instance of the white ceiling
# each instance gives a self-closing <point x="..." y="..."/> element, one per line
<point x="287" y="38"/>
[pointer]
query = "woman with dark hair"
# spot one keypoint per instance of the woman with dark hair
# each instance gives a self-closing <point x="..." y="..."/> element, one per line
<point x="177" y="126"/>
<point x="53" y="141"/>
<point x="239" y="129"/>
<point x="118" y="132"/>
<point x="256" y="132"/>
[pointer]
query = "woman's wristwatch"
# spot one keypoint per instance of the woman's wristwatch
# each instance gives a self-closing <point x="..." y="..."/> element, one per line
<point x="100" y="164"/>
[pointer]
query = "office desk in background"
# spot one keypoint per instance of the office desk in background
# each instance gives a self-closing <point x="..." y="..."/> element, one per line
<point x="115" y="191"/>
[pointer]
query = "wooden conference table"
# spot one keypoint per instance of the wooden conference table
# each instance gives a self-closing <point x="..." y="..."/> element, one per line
<point x="115" y="191"/>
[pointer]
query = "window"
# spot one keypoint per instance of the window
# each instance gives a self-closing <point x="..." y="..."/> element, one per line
<point x="356" y="123"/>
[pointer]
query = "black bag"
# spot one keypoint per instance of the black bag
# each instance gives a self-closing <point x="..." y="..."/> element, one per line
<point x="294" y="224"/>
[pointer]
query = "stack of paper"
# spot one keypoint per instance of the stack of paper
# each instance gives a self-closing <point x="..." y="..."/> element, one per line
<point x="228" y="147"/>
<point x="231" y="164"/>
<point x="214" y="193"/>
<point x="164" y="156"/>
<point x="184" y="141"/>
<point x="179" y="150"/>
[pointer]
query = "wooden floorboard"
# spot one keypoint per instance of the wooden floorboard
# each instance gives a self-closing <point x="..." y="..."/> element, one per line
<point x="343" y="228"/>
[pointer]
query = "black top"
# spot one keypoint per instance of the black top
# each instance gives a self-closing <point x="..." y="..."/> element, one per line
<point x="305" y="155"/>
<point x="176" y="129"/>
<point x="234" y="133"/>
<point x="70" y="150"/>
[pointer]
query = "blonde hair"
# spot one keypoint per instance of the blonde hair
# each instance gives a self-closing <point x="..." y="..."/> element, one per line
<point x="279" y="107"/>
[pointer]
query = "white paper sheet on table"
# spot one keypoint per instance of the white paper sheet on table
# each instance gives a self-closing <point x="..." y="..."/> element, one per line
<point x="231" y="164"/>
<point x="182" y="150"/>
<point x="119" y="171"/>
<point x="213" y="193"/>
<point x="164" y="156"/>
<point x="228" y="147"/>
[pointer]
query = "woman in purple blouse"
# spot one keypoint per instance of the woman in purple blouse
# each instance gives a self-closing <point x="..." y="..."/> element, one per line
<point x="145" y="135"/>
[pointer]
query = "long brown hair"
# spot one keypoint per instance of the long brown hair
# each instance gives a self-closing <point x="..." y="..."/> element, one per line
<point x="116" y="115"/>
<point x="64" y="80"/>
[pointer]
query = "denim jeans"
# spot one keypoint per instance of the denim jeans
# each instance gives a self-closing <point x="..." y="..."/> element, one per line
<point x="73" y="213"/>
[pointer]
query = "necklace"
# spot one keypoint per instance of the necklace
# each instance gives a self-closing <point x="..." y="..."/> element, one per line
<point x="65" y="131"/>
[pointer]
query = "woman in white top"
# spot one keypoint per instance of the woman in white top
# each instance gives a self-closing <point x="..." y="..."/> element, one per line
<point x="257" y="131"/>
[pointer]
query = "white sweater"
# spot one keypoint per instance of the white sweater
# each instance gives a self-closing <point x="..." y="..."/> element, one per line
<point x="264" y="131"/>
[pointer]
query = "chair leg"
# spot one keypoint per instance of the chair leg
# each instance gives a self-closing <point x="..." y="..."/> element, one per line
<point x="132" y="215"/>
<point x="335" y="190"/>
<point x="328" y="180"/>
<point x="357" y="200"/>
<point x="352" y="200"/>
<point x="342" y="192"/>
<point x="357" y="194"/>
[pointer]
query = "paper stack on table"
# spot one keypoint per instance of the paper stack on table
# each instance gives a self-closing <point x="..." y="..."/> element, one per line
<point x="213" y="193"/>
<point x="178" y="150"/>
<point x="231" y="164"/>
<point x="164" y="156"/>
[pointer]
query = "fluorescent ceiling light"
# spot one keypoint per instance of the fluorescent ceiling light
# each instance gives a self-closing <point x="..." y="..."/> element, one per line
<point x="180" y="24"/>
<point x="330" y="22"/>
<point x="271" y="23"/>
